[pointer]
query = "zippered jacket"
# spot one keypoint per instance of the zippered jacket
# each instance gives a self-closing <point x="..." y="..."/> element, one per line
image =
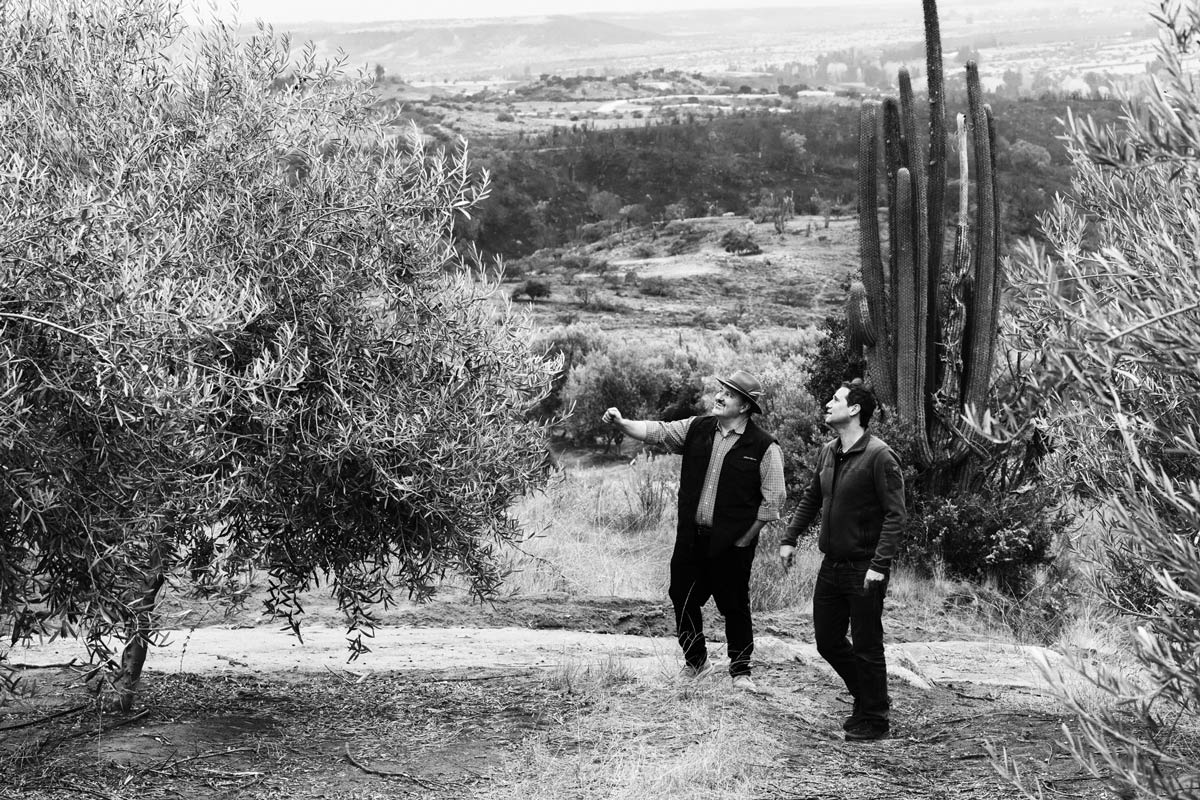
<point x="859" y="495"/>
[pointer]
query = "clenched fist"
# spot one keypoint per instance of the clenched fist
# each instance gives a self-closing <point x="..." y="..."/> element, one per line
<point x="612" y="415"/>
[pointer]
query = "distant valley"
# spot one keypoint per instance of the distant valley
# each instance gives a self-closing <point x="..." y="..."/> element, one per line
<point x="1057" y="40"/>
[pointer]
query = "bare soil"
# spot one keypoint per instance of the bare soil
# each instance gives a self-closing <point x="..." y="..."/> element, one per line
<point x="442" y="710"/>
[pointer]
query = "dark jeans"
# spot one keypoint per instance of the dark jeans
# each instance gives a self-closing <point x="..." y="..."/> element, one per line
<point x="841" y="603"/>
<point x="695" y="577"/>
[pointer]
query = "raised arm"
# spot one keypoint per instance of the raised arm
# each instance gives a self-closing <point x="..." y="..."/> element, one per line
<point x="634" y="428"/>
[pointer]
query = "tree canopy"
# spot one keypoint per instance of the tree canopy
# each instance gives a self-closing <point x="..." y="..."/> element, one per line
<point x="235" y="334"/>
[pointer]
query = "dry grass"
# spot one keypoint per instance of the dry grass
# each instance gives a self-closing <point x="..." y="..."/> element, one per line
<point x="600" y="531"/>
<point x="771" y="588"/>
<point x="641" y="736"/>
<point x="609" y="531"/>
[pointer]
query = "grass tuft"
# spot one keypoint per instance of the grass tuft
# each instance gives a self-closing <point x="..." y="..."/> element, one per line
<point x="639" y="737"/>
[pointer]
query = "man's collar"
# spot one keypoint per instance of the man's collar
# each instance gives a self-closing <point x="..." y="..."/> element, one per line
<point x="739" y="428"/>
<point x="861" y="444"/>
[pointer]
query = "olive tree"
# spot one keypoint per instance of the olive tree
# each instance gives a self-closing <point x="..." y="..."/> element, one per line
<point x="1109" y="317"/>
<point x="235" y="336"/>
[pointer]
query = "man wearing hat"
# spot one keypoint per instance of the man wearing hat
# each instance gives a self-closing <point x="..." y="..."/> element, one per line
<point x="730" y="486"/>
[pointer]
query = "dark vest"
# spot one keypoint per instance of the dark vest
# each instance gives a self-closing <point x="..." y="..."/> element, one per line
<point x="739" y="486"/>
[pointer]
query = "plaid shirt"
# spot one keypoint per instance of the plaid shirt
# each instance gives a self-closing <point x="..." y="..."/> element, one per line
<point x="672" y="435"/>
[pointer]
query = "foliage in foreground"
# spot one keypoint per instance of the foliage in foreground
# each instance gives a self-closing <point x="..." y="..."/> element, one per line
<point x="1116" y="327"/>
<point x="231" y="337"/>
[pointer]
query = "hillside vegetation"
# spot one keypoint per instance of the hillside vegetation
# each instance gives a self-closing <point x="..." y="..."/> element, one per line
<point x="577" y="181"/>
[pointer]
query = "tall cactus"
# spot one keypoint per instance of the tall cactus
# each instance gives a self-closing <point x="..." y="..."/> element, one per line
<point x="930" y="349"/>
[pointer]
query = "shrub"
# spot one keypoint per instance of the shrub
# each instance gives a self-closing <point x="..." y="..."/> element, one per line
<point x="649" y="497"/>
<point x="654" y="381"/>
<point x="985" y="536"/>
<point x="706" y="317"/>
<point x="739" y="243"/>
<point x="675" y="212"/>
<point x="533" y="289"/>
<point x="832" y="365"/>
<point x="794" y="294"/>
<point x="1109" y="335"/>
<point x="761" y="213"/>
<point x="688" y="241"/>
<point x="655" y="286"/>
<point x="576" y="262"/>
<point x="592" y="232"/>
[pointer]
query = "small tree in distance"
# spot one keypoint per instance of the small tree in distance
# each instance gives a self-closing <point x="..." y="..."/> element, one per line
<point x="234" y="336"/>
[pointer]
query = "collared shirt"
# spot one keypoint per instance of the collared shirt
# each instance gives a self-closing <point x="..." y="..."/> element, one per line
<point x="672" y="435"/>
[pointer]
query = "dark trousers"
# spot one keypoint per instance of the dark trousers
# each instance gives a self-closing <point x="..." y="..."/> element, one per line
<point x="841" y="603"/>
<point x="695" y="577"/>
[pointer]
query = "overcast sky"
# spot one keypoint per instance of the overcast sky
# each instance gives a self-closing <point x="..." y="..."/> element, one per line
<point x="380" y="10"/>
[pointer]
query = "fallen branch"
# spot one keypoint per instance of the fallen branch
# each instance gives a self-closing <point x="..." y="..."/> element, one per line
<point x="82" y="790"/>
<point x="19" y="665"/>
<point x="225" y="774"/>
<point x="105" y="729"/>
<point x="386" y="773"/>
<point x="208" y="755"/>
<point x="47" y="718"/>
<point x="468" y="678"/>
<point x="1071" y="779"/>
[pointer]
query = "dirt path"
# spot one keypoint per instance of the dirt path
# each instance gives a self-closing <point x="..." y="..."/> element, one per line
<point x="519" y="710"/>
<point x="209" y="650"/>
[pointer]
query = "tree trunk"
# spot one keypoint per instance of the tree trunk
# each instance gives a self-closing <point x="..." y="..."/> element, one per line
<point x="139" y="625"/>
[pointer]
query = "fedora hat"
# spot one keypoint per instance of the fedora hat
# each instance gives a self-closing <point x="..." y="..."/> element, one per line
<point x="746" y="385"/>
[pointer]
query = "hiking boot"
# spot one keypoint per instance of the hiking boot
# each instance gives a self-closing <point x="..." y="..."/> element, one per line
<point x="854" y="718"/>
<point x="690" y="673"/>
<point x="867" y="730"/>
<point x="744" y="683"/>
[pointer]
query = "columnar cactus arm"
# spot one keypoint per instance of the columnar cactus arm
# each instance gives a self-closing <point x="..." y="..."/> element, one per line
<point x="894" y="157"/>
<point x="910" y="358"/>
<point x="878" y="335"/>
<point x="921" y="257"/>
<point x="910" y="146"/>
<point x="868" y="208"/>
<point x="907" y="391"/>
<point x="934" y="190"/>
<point x="859" y="331"/>
<point x="998" y="268"/>
<point x="979" y="344"/>
<point x="947" y="395"/>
